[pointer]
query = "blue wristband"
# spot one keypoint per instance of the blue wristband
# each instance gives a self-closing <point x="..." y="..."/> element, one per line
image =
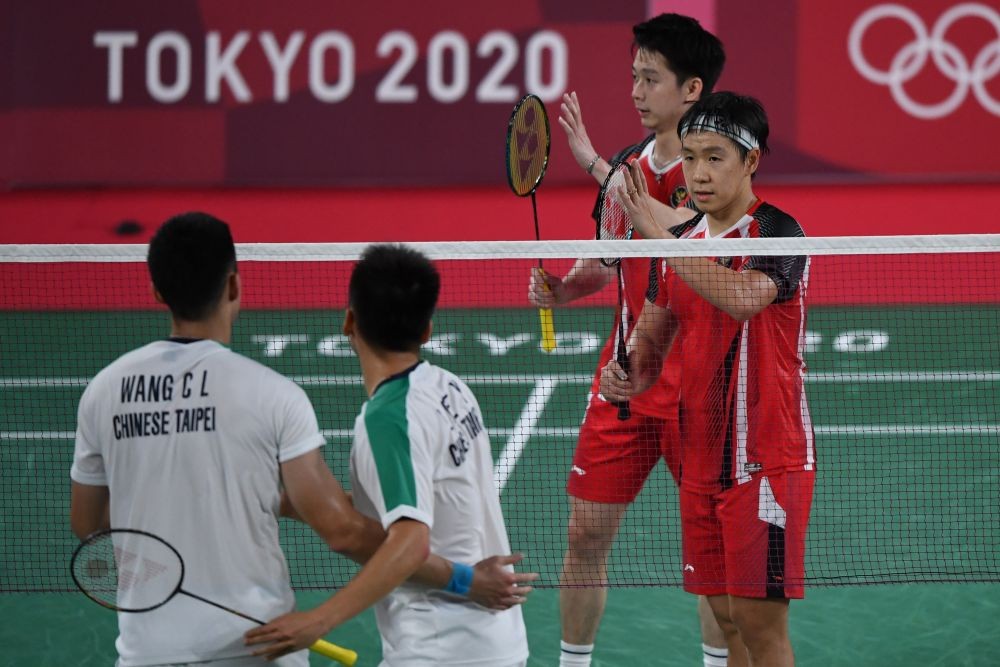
<point x="461" y="579"/>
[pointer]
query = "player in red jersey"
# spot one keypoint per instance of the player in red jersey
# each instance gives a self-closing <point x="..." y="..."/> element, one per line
<point x="748" y="458"/>
<point x="675" y="62"/>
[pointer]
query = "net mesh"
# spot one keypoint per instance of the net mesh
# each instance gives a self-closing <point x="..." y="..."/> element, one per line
<point x="903" y="382"/>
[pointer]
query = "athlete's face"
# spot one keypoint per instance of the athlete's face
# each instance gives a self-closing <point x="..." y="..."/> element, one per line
<point x="717" y="177"/>
<point x="658" y="96"/>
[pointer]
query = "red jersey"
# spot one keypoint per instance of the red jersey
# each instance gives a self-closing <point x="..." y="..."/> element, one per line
<point x="665" y="185"/>
<point x="743" y="402"/>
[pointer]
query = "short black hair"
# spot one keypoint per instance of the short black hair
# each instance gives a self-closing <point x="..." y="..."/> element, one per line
<point x="689" y="49"/>
<point x="393" y="293"/>
<point x="189" y="259"/>
<point x="728" y="109"/>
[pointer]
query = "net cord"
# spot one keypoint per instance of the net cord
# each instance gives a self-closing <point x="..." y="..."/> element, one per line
<point x="460" y="250"/>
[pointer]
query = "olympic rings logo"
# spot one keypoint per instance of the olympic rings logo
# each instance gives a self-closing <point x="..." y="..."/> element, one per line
<point x="947" y="57"/>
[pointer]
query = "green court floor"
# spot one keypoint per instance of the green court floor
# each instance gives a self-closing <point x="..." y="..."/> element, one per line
<point x="874" y="626"/>
<point x="907" y="435"/>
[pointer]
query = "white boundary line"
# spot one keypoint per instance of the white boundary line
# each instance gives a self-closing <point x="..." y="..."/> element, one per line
<point x="522" y="431"/>
<point x="572" y="378"/>
<point x="572" y="432"/>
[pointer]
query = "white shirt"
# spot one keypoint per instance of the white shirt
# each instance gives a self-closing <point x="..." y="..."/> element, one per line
<point x="188" y="437"/>
<point x="421" y="452"/>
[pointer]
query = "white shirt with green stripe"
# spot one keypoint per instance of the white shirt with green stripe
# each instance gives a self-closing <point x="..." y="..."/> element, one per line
<point x="421" y="452"/>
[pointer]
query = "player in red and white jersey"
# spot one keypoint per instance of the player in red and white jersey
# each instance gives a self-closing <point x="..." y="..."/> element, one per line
<point x="764" y="354"/>
<point x="675" y="62"/>
<point x="665" y="185"/>
<point x="747" y="442"/>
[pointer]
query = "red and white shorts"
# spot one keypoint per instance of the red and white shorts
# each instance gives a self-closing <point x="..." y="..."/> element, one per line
<point x="613" y="458"/>
<point x="749" y="540"/>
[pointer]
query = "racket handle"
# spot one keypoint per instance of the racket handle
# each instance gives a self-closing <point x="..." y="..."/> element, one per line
<point x="344" y="656"/>
<point x="624" y="410"/>
<point x="548" y="329"/>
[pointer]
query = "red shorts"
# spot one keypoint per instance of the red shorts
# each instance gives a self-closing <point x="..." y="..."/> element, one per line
<point x="613" y="458"/>
<point x="750" y="540"/>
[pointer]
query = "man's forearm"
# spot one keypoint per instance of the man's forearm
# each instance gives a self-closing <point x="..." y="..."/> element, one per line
<point x="585" y="278"/>
<point x="649" y="344"/>
<point x="739" y="294"/>
<point x="404" y="550"/>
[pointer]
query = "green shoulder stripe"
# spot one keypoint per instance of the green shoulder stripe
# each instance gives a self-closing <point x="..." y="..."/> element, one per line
<point x="389" y="437"/>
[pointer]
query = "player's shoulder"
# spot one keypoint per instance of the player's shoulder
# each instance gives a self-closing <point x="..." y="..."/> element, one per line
<point x="246" y="367"/>
<point x="685" y="229"/>
<point x="430" y="383"/>
<point x="131" y="362"/>
<point x="445" y="377"/>
<point x="631" y="151"/>
<point x="393" y="393"/>
<point x="773" y="222"/>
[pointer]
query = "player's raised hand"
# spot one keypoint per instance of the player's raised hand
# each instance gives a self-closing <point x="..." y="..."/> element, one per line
<point x="615" y="383"/>
<point x="571" y="119"/>
<point x="544" y="289"/>
<point x="494" y="586"/>
<point x="635" y="199"/>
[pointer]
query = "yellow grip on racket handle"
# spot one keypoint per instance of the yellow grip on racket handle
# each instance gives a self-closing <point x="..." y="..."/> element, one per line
<point x="548" y="329"/>
<point x="545" y="316"/>
<point x="344" y="656"/>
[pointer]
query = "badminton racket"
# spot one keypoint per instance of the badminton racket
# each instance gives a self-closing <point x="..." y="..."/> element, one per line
<point x="614" y="224"/>
<point x="135" y="571"/>
<point x="528" y="143"/>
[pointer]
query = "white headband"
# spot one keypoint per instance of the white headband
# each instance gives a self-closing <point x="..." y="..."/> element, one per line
<point x="707" y="123"/>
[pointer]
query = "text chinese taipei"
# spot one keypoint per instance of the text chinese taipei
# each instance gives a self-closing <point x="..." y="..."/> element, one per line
<point x="161" y="389"/>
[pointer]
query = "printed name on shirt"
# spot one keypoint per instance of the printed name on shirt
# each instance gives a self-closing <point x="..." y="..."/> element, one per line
<point x="465" y="427"/>
<point x="154" y="388"/>
<point x="160" y="388"/>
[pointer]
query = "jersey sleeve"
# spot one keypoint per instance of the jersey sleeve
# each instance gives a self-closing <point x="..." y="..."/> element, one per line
<point x="395" y="465"/>
<point x="681" y="230"/>
<point x="297" y="428"/>
<point x="785" y="271"/>
<point x="88" y="460"/>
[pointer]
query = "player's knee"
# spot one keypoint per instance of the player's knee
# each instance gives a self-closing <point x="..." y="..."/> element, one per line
<point x="743" y="618"/>
<point x="759" y="632"/>
<point x="725" y="625"/>
<point x="723" y="620"/>
<point x="590" y="539"/>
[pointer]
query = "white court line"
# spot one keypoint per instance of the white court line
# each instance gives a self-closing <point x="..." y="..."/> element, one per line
<point x="572" y="432"/>
<point x="916" y="376"/>
<point x="573" y="378"/>
<point x="522" y="430"/>
<point x="37" y="435"/>
<point x="43" y="382"/>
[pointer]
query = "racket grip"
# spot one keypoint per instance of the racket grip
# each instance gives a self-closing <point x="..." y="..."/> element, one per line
<point x="344" y="656"/>
<point x="624" y="409"/>
<point x="548" y="329"/>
